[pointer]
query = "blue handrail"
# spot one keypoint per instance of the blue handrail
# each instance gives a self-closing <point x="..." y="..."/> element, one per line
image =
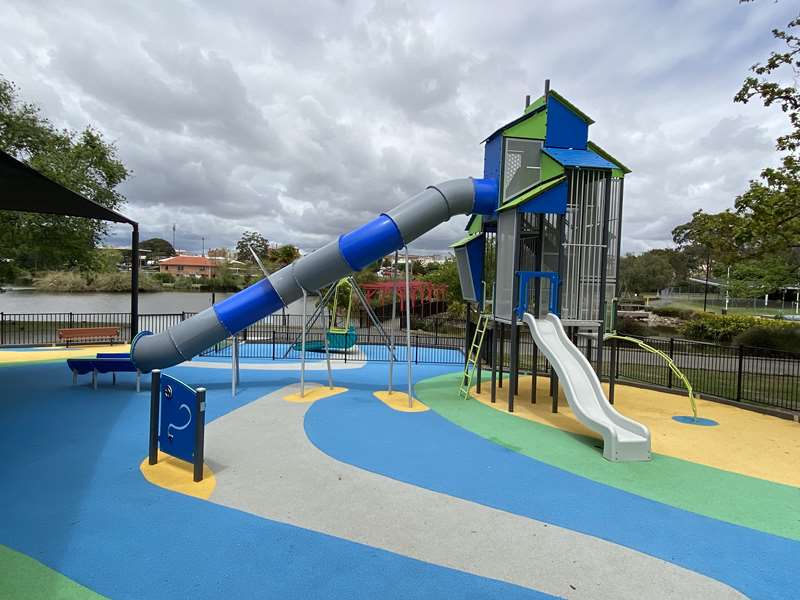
<point x="525" y="277"/>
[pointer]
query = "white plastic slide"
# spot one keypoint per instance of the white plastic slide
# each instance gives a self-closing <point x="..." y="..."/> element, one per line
<point x="623" y="438"/>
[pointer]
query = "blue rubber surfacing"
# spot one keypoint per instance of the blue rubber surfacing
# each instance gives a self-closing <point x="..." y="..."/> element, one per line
<point x="73" y="498"/>
<point x="426" y="450"/>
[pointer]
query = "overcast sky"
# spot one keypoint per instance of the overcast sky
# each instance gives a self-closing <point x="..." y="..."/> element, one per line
<point x="302" y="120"/>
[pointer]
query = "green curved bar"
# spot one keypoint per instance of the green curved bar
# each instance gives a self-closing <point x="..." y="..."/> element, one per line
<point x="670" y="363"/>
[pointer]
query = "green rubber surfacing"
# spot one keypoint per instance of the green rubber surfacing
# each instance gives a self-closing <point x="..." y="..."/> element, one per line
<point x="755" y="503"/>
<point x="24" y="578"/>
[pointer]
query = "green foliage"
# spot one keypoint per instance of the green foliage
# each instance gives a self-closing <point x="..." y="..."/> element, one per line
<point x="81" y="161"/>
<point x="648" y="272"/>
<point x="104" y="260"/>
<point x="255" y="240"/>
<point x="283" y="255"/>
<point x="158" y="247"/>
<point x="712" y="237"/>
<point x="785" y="339"/>
<point x="709" y="327"/>
<point x="759" y="276"/>
<point x="633" y="327"/>
<point x="447" y="273"/>
<point x="164" y="277"/>
<point x="674" y="311"/>
<point x="75" y="281"/>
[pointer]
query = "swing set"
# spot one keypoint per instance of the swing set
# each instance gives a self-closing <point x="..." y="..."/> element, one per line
<point x="340" y="335"/>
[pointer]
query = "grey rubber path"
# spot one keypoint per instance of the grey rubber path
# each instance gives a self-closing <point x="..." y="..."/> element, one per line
<point x="264" y="464"/>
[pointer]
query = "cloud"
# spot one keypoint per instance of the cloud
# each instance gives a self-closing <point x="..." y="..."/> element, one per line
<point x="303" y="120"/>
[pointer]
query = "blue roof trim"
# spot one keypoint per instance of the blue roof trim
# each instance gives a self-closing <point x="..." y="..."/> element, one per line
<point x="578" y="158"/>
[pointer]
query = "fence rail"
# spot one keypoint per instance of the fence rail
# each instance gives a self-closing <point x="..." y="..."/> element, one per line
<point x="736" y="373"/>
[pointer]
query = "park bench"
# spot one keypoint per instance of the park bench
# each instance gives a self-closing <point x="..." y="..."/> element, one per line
<point x="88" y="334"/>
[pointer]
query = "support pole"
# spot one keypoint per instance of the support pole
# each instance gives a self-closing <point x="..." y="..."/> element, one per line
<point x="501" y="357"/>
<point x="394" y="314"/>
<point x="494" y="360"/>
<point x="234" y="365"/>
<point x="134" y="281"/>
<point x="328" y="356"/>
<point x="155" y="399"/>
<point x="370" y="313"/>
<point x="303" y="350"/>
<point x="408" y="327"/>
<point x="199" y="433"/>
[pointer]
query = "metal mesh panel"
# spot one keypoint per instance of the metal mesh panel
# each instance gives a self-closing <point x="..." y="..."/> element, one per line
<point x="507" y="244"/>
<point x="583" y="245"/>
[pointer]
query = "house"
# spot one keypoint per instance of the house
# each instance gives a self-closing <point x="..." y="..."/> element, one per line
<point x="197" y="266"/>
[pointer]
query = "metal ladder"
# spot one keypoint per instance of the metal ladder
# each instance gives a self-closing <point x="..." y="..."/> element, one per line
<point x="474" y="354"/>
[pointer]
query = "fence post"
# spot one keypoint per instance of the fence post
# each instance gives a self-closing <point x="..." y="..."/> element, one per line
<point x="2" y="328"/>
<point x="416" y="349"/>
<point x="273" y="342"/>
<point x="671" y="356"/>
<point x="183" y="315"/>
<point x="739" y="374"/>
<point x="71" y="325"/>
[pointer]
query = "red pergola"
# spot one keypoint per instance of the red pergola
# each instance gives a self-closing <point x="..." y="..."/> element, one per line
<point x="424" y="291"/>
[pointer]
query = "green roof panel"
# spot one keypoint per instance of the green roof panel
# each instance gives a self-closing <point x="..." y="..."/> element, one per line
<point x="539" y="188"/>
<point x="467" y="240"/>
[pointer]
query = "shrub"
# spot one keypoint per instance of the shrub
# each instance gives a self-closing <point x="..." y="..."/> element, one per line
<point x="164" y="277"/>
<point x="674" y="311"/>
<point x="785" y="339"/>
<point x="633" y="327"/>
<point x="709" y="327"/>
<point x="62" y="281"/>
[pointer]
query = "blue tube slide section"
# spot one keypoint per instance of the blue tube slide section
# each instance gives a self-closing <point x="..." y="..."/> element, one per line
<point x="353" y="251"/>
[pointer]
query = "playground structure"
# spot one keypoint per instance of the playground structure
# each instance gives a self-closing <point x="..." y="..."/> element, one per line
<point x="548" y="259"/>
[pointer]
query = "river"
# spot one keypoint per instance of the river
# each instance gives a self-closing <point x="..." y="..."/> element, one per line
<point x="31" y="301"/>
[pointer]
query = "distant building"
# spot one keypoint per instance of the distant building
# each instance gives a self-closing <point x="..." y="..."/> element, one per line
<point x="196" y="266"/>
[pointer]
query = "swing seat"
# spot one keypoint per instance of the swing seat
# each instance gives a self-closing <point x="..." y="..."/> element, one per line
<point x="341" y="339"/>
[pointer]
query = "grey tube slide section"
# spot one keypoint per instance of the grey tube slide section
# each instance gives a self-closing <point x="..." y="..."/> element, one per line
<point x="351" y="252"/>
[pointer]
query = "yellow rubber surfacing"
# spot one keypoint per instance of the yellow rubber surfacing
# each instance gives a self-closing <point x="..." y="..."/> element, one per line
<point x="314" y="394"/>
<point x="57" y="353"/>
<point x="744" y="442"/>
<point x="399" y="401"/>
<point x="177" y="475"/>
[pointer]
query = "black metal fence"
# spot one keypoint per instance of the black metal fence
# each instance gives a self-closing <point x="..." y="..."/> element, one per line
<point x="736" y="373"/>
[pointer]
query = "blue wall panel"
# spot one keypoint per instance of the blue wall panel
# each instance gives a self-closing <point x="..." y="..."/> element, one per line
<point x="553" y="201"/>
<point x="491" y="158"/>
<point x="565" y="129"/>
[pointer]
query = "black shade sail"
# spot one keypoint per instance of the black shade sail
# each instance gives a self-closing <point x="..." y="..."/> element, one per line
<point x="23" y="188"/>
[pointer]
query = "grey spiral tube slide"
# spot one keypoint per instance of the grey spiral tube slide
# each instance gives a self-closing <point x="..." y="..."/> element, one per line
<point x="350" y="252"/>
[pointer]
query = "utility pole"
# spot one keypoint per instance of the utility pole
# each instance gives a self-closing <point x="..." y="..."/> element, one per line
<point x="173" y="237"/>
<point x="203" y="252"/>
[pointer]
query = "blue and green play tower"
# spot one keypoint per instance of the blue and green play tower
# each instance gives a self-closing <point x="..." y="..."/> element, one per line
<point x="553" y="243"/>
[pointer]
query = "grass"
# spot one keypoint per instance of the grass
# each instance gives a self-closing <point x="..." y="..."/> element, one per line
<point x="697" y="305"/>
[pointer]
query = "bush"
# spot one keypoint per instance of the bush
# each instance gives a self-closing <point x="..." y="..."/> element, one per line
<point x="164" y="277"/>
<point x="709" y="327"/>
<point x="785" y="339"/>
<point x="674" y="311"/>
<point x="633" y="327"/>
<point x="62" y="281"/>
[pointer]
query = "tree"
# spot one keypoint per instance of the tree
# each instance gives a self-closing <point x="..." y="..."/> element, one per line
<point x="255" y="240"/>
<point x="772" y="205"/>
<point x="756" y="277"/>
<point x="648" y="272"/>
<point x="284" y="255"/>
<point x="81" y="161"/>
<point x="159" y="248"/>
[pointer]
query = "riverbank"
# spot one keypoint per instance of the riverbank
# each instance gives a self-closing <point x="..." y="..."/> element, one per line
<point x="120" y="281"/>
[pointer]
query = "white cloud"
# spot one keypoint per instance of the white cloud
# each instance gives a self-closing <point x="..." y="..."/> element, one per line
<point x="304" y="119"/>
